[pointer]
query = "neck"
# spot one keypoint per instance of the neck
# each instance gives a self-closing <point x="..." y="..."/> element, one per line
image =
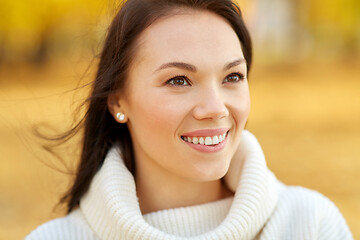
<point x="154" y="195"/>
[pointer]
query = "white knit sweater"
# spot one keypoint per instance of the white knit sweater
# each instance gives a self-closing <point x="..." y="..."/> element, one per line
<point x="262" y="208"/>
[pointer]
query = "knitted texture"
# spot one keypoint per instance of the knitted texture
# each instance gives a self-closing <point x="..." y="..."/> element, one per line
<point x="262" y="208"/>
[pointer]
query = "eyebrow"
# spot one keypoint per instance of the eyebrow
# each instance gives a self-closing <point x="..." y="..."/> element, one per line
<point x="182" y="65"/>
<point x="192" y="68"/>
<point x="234" y="63"/>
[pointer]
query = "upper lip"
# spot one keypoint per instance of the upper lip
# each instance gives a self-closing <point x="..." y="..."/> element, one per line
<point x="206" y="132"/>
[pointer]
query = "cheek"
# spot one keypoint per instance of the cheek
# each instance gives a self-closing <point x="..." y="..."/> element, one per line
<point x="155" y="115"/>
<point x="240" y="104"/>
<point x="245" y="107"/>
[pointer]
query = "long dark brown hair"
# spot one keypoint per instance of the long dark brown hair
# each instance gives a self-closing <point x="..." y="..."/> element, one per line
<point x="100" y="129"/>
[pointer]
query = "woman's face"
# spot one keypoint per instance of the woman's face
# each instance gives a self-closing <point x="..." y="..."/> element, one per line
<point x="186" y="83"/>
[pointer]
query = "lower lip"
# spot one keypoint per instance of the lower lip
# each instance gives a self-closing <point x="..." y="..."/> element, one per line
<point x="208" y="148"/>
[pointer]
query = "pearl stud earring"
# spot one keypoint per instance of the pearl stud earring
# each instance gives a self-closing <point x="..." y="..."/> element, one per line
<point x="120" y="116"/>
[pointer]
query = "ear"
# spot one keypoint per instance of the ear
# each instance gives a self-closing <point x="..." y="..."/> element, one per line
<point x="115" y="107"/>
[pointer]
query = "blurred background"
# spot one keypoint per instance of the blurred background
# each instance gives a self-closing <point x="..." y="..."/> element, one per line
<point x="304" y="84"/>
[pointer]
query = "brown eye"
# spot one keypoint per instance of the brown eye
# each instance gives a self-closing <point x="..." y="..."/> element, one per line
<point x="234" y="77"/>
<point x="178" y="81"/>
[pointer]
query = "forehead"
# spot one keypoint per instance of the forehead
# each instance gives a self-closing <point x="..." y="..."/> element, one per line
<point x="193" y="36"/>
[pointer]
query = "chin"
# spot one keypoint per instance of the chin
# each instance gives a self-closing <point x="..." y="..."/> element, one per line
<point x="211" y="174"/>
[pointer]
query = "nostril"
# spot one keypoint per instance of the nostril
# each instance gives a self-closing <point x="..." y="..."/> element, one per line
<point x="210" y="112"/>
<point x="214" y="108"/>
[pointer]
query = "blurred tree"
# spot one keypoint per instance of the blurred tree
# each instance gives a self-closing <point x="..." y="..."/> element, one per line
<point x="34" y="31"/>
<point x="31" y="30"/>
<point x="335" y="25"/>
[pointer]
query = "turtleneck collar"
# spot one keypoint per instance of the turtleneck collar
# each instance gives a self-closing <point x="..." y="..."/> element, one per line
<point x="111" y="207"/>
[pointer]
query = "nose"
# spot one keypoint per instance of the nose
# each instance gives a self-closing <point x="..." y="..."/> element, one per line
<point x="210" y="104"/>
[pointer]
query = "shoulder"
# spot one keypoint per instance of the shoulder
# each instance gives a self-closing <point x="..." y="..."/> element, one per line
<point x="300" y="197"/>
<point x="72" y="226"/>
<point x="307" y="213"/>
<point x="303" y="201"/>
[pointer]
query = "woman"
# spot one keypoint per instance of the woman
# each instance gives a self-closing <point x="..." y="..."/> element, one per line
<point x="165" y="154"/>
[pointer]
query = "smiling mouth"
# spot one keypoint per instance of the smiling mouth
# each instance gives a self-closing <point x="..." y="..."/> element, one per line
<point x="206" y="140"/>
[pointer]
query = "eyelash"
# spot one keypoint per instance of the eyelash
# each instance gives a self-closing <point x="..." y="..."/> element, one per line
<point x="168" y="82"/>
<point x="240" y="75"/>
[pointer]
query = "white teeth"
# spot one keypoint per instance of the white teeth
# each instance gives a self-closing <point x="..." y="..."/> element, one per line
<point x="206" y="140"/>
